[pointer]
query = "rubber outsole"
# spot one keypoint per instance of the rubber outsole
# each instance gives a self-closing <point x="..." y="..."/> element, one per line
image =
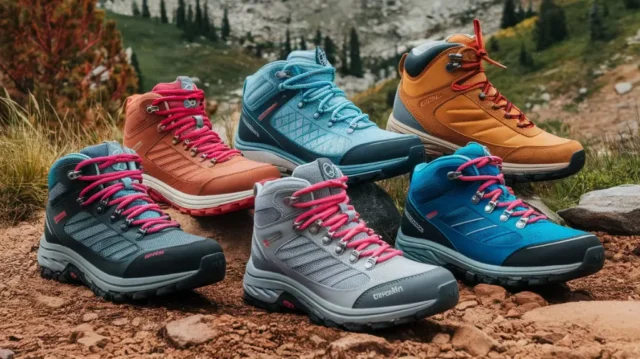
<point x="592" y="262"/>
<point x="448" y="296"/>
<point x="214" y="211"/>
<point x="576" y="164"/>
<point x="212" y="270"/>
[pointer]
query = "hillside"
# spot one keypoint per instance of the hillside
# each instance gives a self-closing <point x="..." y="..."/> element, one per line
<point x="163" y="55"/>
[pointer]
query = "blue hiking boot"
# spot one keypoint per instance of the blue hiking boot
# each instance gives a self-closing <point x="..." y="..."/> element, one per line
<point x="293" y="113"/>
<point x="460" y="214"/>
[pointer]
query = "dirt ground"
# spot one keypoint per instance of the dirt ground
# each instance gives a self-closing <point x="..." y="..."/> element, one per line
<point x="46" y="319"/>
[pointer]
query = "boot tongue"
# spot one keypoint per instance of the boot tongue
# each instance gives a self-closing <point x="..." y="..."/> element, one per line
<point x="318" y="171"/>
<point x="110" y="148"/>
<point x="463" y="39"/>
<point x="181" y="83"/>
<point x="317" y="57"/>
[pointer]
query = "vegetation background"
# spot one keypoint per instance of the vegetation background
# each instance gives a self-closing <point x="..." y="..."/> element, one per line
<point x="67" y="65"/>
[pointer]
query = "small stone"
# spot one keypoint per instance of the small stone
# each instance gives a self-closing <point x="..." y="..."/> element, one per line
<point x="51" y="302"/>
<point x="528" y="307"/>
<point x="565" y="341"/>
<point x="189" y="331"/>
<point x="6" y="354"/>
<point x="513" y="313"/>
<point x="582" y="90"/>
<point x="120" y="322"/>
<point x="136" y="321"/>
<point x="529" y="297"/>
<point x="547" y="337"/>
<point x="317" y="340"/>
<point x="466" y="304"/>
<point x="473" y="340"/>
<point x="359" y="343"/>
<point x="636" y="251"/>
<point x="546" y="97"/>
<point x="623" y="87"/>
<point x="441" y="338"/>
<point x="490" y="294"/>
<point x="87" y="317"/>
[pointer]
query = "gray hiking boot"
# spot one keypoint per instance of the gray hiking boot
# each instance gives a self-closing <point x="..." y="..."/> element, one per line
<point x="311" y="252"/>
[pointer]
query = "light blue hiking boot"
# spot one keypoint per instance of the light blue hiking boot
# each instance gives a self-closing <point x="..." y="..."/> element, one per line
<point x="459" y="214"/>
<point x="293" y="113"/>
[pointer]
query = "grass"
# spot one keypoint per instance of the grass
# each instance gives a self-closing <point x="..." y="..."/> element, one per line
<point x="163" y="55"/>
<point x="31" y="139"/>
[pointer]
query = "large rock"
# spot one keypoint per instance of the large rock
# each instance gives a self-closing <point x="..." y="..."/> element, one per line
<point x="608" y="319"/>
<point x="189" y="331"/>
<point x="615" y="210"/>
<point x="377" y="208"/>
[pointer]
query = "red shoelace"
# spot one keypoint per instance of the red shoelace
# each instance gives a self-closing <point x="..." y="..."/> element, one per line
<point x="125" y="205"/>
<point x="500" y="102"/>
<point x="183" y="120"/>
<point x="527" y="216"/>
<point x="328" y="212"/>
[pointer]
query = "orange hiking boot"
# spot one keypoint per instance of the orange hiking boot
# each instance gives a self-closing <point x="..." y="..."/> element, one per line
<point x="445" y="98"/>
<point x="185" y="162"/>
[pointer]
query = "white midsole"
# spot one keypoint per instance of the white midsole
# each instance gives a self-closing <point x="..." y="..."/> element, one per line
<point x="281" y="163"/>
<point x="434" y="145"/>
<point x="194" y="202"/>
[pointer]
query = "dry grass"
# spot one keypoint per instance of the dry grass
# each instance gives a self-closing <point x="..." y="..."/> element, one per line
<point x="31" y="139"/>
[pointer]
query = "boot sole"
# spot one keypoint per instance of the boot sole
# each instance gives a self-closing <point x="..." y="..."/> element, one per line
<point x="66" y="266"/>
<point x="435" y="147"/>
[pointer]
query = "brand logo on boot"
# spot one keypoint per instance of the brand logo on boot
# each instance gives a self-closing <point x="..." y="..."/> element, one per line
<point x="413" y="221"/>
<point x="430" y="99"/>
<point x="329" y="170"/>
<point x="394" y="290"/>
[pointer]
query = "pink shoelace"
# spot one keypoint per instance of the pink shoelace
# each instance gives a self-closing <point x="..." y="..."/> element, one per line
<point x="124" y="203"/>
<point x="527" y="216"/>
<point x="328" y="212"/>
<point x="181" y="120"/>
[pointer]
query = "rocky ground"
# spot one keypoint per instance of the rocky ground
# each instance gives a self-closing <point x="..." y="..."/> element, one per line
<point x="594" y="317"/>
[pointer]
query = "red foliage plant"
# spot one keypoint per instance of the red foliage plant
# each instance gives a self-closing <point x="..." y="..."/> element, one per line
<point x="64" y="52"/>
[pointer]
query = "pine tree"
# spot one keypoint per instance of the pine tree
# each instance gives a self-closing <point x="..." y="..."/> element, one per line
<point x="163" y="13"/>
<point x="632" y="4"/>
<point x="494" y="45"/>
<point x="530" y="11"/>
<point x="597" y="27"/>
<point x="605" y="9"/>
<point x="287" y="43"/>
<point x="145" y="10"/>
<point x="317" y="41"/>
<point x="551" y="26"/>
<point x="330" y="49"/>
<point x="208" y="27"/>
<point x="526" y="60"/>
<point x="355" y="66"/>
<point x="520" y="13"/>
<point x="344" y="58"/>
<point x="509" y="16"/>
<point x="303" y="43"/>
<point x="191" y="30"/>
<point x="181" y="15"/>
<point x="225" y="31"/>
<point x="136" y="67"/>
<point x="283" y="53"/>
<point x="135" y="9"/>
<point x="198" y="23"/>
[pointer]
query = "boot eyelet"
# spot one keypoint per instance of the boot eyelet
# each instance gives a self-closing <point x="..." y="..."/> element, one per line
<point x="326" y="240"/>
<point x="300" y="104"/>
<point x="490" y="206"/>
<point x="454" y="175"/>
<point x="152" y="108"/>
<point x="505" y="215"/>
<point x="161" y="128"/>
<point x="354" y="256"/>
<point x="289" y="201"/>
<point x="482" y="95"/>
<point x="522" y="222"/>
<point x="340" y="247"/>
<point x="371" y="261"/>
<point x="477" y="197"/>
<point x="73" y="175"/>
<point x="316" y="115"/>
<point x="80" y="200"/>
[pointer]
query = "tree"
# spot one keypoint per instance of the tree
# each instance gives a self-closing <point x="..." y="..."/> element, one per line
<point x="520" y="13"/>
<point x="287" y="43"/>
<point x="551" y="26"/>
<point x="225" y="31"/>
<point x="526" y="60"/>
<point x="181" y="15"/>
<point x="530" y="11"/>
<point x="64" y="52"/>
<point x="494" y="44"/>
<point x="136" y="67"/>
<point x="355" y="62"/>
<point x="317" y="41"/>
<point x="632" y="4"/>
<point x="135" y="9"/>
<point x="191" y="30"/>
<point x="199" y="24"/>
<point x="145" y="10"/>
<point x="597" y="27"/>
<point x="509" y="16"/>
<point x="163" y="13"/>
<point x="330" y="49"/>
<point x="208" y="27"/>
<point x="344" y="58"/>
<point x="303" y="43"/>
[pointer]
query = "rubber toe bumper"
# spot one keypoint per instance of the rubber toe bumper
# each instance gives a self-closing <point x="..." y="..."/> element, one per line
<point x="414" y="289"/>
<point x="177" y="259"/>
<point x="568" y="251"/>
<point x="381" y="150"/>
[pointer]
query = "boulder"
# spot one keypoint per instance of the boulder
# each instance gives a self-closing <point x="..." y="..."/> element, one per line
<point x="615" y="210"/>
<point x="607" y="319"/>
<point x="377" y="208"/>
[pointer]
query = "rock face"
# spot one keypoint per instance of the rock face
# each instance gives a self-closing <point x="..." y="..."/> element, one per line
<point x="377" y="209"/>
<point x="611" y="319"/>
<point x="190" y="331"/>
<point x="615" y="210"/>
